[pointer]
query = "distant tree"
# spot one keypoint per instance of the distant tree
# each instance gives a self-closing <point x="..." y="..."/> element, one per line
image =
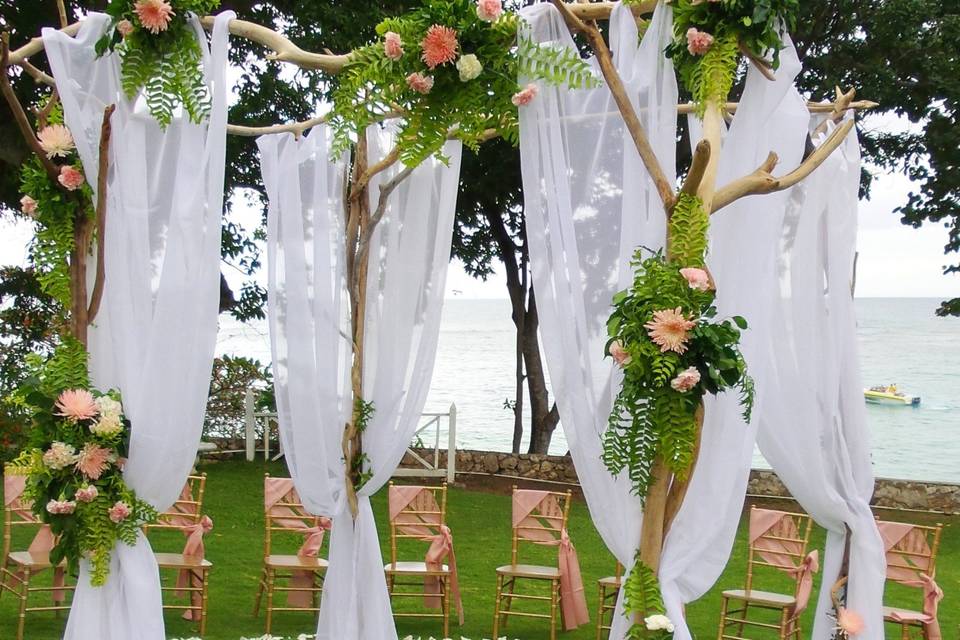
<point x="232" y="377"/>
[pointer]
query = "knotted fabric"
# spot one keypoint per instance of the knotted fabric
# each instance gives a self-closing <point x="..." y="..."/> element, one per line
<point x="278" y="494"/>
<point x="533" y="510"/>
<point x="783" y="553"/>
<point x="429" y="528"/>
<point x="193" y="550"/>
<point x="899" y="537"/>
<point x="44" y="540"/>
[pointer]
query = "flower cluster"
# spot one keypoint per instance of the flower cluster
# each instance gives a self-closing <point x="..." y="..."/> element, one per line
<point x="74" y="474"/>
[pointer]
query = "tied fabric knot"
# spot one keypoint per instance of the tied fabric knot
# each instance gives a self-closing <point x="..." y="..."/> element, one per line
<point x="804" y="573"/>
<point x="304" y="578"/>
<point x="932" y="595"/>
<point x="193" y="550"/>
<point x="441" y="546"/>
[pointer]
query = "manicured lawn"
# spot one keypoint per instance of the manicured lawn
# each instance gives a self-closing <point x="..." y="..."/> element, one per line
<point x="480" y="523"/>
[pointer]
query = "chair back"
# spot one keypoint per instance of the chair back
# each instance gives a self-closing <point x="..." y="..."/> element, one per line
<point x="911" y="551"/>
<point x="284" y="514"/>
<point x="539" y="518"/>
<point x="188" y="508"/>
<point x="416" y="513"/>
<point x="778" y="539"/>
<point x="18" y="512"/>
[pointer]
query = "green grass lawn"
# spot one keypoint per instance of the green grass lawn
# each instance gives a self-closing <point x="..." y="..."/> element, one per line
<point x="481" y="526"/>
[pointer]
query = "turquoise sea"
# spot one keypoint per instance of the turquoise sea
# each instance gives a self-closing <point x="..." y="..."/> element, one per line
<point x="901" y="341"/>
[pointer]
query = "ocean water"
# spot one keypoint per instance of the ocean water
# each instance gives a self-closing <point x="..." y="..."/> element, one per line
<point x="901" y="341"/>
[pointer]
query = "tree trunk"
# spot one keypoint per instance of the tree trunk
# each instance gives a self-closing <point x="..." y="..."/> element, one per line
<point x="543" y="417"/>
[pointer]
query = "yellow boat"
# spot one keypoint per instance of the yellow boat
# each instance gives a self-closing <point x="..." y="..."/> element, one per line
<point x="888" y="394"/>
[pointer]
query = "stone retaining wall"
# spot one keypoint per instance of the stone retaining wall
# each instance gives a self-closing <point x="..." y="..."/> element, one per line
<point x="896" y="494"/>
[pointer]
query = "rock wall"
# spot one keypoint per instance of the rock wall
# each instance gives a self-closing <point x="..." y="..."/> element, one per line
<point x="895" y="494"/>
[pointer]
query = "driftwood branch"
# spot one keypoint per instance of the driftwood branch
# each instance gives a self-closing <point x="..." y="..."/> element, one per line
<point x="762" y="181"/>
<point x="762" y="65"/>
<point x="701" y="157"/>
<point x="97" y="295"/>
<point x="44" y="114"/>
<point x="840" y="104"/>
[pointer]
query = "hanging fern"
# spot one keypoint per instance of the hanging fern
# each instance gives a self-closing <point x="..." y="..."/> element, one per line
<point x="642" y="599"/>
<point x="688" y="226"/>
<point x="712" y="78"/>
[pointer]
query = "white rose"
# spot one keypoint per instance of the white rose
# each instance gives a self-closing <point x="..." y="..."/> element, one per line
<point x="658" y="622"/>
<point x="107" y="425"/>
<point x="108" y="407"/>
<point x="469" y="67"/>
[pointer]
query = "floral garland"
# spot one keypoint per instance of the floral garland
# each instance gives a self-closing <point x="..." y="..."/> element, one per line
<point x="447" y="64"/>
<point x="709" y="35"/>
<point x="159" y="54"/>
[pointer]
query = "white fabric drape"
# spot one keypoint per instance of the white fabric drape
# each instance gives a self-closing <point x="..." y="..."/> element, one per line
<point x="815" y="434"/>
<point x="155" y="334"/>
<point x="589" y="203"/>
<point x="309" y="329"/>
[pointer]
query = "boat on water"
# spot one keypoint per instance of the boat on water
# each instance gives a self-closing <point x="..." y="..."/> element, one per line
<point x="889" y="394"/>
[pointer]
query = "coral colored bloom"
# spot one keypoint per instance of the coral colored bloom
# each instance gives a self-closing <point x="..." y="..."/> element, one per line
<point x="119" y="512"/>
<point x="698" y="42"/>
<point x="439" y="46"/>
<point x="420" y="83"/>
<point x="77" y="404"/>
<point x="70" y="177"/>
<point x="59" y="455"/>
<point x="526" y="96"/>
<point x="696" y="278"/>
<point x="58" y="507"/>
<point x="686" y="380"/>
<point x="154" y="15"/>
<point x="28" y="205"/>
<point x="849" y="622"/>
<point x="125" y="27"/>
<point x="56" y="140"/>
<point x="88" y="493"/>
<point x="392" y="45"/>
<point x="619" y="354"/>
<point x="93" y="460"/>
<point x="489" y="10"/>
<point x="469" y="67"/>
<point x="668" y="330"/>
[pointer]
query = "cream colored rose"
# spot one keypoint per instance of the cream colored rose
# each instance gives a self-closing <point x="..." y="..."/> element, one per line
<point x="469" y="67"/>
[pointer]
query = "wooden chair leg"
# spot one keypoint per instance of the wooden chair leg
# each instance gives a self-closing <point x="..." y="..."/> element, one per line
<point x="446" y="606"/>
<point x="510" y="585"/>
<point x="600" y="611"/>
<point x="723" y="617"/>
<point x="783" y="624"/>
<point x="271" y="576"/>
<point x="496" y="607"/>
<point x="260" y="588"/>
<point x="204" y="602"/>
<point x="22" y="619"/>
<point x="554" y="593"/>
<point x="743" y="616"/>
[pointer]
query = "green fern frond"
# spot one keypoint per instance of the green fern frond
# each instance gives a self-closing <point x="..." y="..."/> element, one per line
<point x="688" y="227"/>
<point x="713" y="75"/>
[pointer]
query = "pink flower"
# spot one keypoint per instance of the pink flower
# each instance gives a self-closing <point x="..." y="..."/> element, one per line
<point x="70" y="177"/>
<point x="55" y="140"/>
<point x="698" y="42"/>
<point x="849" y="622"/>
<point x="119" y="512"/>
<point x="668" y="330"/>
<point x="696" y="278"/>
<point x="76" y="404"/>
<point x="58" y="507"/>
<point x="59" y="455"/>
<point x="439" y="46"/>
<point x="88" y="493"/>
<point x="28" y="205"/>
<point x="154" y="15"/>
<point x="392" y="45"/>
<point x="489" y="10"/>
<point x="526" y="96"/>
<point x="686" y="380"/>
<point x="93" y="460"/>
<point x="619" y="354"/>
<point x="125" y="27"/>
<point x="420" y="83"/>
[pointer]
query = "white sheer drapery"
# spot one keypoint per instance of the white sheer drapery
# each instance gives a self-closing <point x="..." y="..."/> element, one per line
<point x="589" y="203"/>
<point x="309" y="329"/>
<point x="155" y="334"/>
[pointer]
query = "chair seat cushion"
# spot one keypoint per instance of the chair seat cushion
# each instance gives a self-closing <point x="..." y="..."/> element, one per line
<point x="295" y="562"/>
<point x="895" y="614"/>
<point x="610" y="582"/>
<point x="761" y="597"/>
<point x="29" y="560"/>
<point x="529" y="571"/>
<point x="180" y="561"/>
<point x="414" y="567"/>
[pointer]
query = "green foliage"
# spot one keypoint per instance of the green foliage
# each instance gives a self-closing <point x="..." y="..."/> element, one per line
<point x="372" y="85"/>
<point x="712" y="77"/>
<point x="232" y="376"/>
<point x="65" y="369"/>
<point x="362" y="412"/>
<point x="688" y="226"/>
<point x="641" y="599"/>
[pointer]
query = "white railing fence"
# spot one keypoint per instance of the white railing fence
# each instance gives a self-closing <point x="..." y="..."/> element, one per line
<point x="435" y="428"/>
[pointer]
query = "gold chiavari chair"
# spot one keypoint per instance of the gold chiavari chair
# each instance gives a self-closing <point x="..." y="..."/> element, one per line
<point x="20" y="567"/>
<point x="609" y="590"/>
<point x="542" y="525"/>
<point x="298" y="575"/>
<point x="778" y="540"/>
<point x="419" y="514"/>
<point x="192" y="567"/>
<point x="911" y="553"/>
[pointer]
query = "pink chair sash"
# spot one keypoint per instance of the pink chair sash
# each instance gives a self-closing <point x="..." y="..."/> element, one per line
<point x="194" y="550"/>
<point x="527" y="504"/>
<point x="274" y="490"/>
<point x="441" y="542"/>
<point x="778" y="552"/>
<point x="911" y="539"/>
<point x="44" y="541"/>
